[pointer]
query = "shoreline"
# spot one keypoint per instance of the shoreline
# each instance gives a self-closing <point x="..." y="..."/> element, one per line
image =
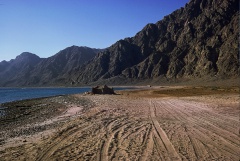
<point x="95" y="122"/>
<point x="53" y="95"/>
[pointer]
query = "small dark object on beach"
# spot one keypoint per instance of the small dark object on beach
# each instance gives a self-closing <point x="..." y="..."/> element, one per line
<point x="102" y="90"/>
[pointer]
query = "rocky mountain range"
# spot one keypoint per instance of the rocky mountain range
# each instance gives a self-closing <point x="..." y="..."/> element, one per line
<point x="195" y="41"/>
<point x="30" y="70"/>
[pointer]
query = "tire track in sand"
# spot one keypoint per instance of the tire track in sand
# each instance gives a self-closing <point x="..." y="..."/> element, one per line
<point x="203" y="131"/>
<point x="161" y="136"/>
<point x="149" y="147"/>
<point x="106" y="144"/>
<point x="67" y="135"/>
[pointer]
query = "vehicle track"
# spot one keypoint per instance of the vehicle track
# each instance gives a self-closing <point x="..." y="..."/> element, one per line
<point x="145" y="129"/>
<point x="60" y="141"/>
<point x="161" y="137"/>
<point x="202" y="130"/>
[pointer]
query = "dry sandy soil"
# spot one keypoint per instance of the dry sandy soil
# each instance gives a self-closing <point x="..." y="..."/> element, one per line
<point x="160" y="123"/>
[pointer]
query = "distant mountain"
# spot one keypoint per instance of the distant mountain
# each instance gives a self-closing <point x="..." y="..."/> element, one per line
<point x="30" y="70"/>
<point x="18" y="68"/>
<point x="199" y="40"/>
<point x="54" y="70"/>
<point x="194" y="42"/>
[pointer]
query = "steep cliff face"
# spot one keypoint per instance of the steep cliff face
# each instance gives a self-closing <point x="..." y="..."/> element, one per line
<point x="109" y="63"/>
<point x="198" y="40"/>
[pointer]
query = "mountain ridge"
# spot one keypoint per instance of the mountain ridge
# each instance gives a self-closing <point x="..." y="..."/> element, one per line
<point x="25" y="70"/>
<point x="196" y="41"/>
<point x="190" y="43"/>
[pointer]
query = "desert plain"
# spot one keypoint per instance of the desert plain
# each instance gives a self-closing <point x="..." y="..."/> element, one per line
<point x="164" y="123"/>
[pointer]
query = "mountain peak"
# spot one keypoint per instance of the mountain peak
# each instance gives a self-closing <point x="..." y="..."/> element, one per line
<point x="194" y="42"/>
<point x="190" y="43"/>
<point x="27" y="55"/>
<point x="28" y="69"/>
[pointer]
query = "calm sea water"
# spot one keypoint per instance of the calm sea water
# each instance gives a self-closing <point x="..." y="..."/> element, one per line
<point x="15" y="94"/>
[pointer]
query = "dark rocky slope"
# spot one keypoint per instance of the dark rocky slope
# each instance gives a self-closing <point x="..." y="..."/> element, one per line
<point x="199" y="40"/>
<point x="16" y="70"/>
<point x="195" y="42"/>
<point x="30" y="70"/>
<point x="55" y="70"/>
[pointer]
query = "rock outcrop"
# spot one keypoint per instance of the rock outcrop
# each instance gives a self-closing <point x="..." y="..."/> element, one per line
<point x="102" y="90"/>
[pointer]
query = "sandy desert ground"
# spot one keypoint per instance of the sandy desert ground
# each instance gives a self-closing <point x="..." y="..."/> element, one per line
<point x="159" y="123"/>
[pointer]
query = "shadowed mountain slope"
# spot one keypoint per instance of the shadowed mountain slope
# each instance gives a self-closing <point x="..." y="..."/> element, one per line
<point x="199" y="40"/>
<point x="30" y="70"/>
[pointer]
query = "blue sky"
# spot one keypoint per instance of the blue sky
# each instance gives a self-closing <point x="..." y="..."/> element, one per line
<point x="45" y="27"/>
